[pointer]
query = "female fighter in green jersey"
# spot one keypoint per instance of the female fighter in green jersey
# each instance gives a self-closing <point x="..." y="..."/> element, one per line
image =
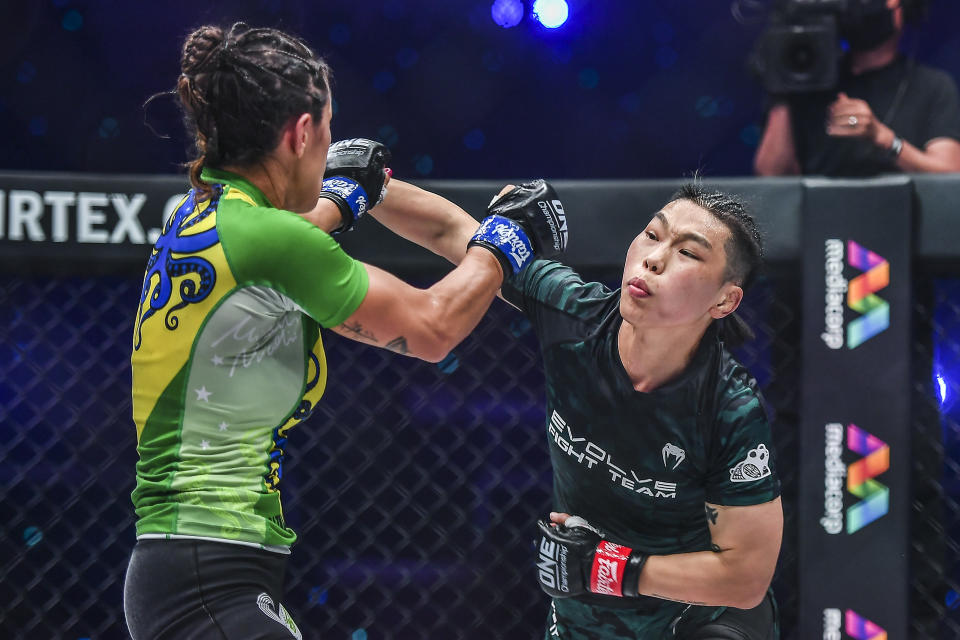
<point x="659" y="442"/>
<point x="227" y="354"/>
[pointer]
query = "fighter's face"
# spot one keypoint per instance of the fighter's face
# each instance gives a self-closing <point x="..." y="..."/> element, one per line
<point x="674" y="271"/>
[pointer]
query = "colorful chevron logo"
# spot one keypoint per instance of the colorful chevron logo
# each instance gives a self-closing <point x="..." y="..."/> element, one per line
<point x="861" y="294"/>
<point x="863" y="629"/>
<point x="874" y="497"/>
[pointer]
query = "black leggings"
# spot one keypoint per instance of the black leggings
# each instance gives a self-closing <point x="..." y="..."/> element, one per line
<point x="211" y="590"/>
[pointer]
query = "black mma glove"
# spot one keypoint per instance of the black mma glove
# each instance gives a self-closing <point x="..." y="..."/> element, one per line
<point x="537" y="208"/>
<point x="354" y="178"/>
<point x="573" y="559"/>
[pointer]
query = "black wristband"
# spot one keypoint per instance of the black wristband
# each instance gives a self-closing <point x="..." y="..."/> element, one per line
<point x="631" y="574"/>
<point x="346" y="214"/>
<point x="497" y="253"/>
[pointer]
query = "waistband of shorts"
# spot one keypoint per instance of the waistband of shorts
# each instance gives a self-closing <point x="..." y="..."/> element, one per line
<point x="278" y="549"/>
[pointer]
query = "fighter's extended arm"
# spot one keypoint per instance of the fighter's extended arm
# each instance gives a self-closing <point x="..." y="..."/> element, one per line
<point x="427" y="323"/>
<point x="427" y="219"/>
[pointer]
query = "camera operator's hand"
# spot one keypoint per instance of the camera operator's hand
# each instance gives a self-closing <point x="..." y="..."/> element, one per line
<point x="852" y="118"/>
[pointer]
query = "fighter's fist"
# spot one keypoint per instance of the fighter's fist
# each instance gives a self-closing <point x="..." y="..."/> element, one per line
<point x="537" y="208"/>
<point x="354" y="177"/>
<point x="508" y="242"/>
<point x="573" y="559"/>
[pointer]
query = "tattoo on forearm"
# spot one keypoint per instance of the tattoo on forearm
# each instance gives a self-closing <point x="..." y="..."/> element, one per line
<point x="357" y="329"/>
<point x="662" y="597"/>
<point x="712" y="514"/>
<point x="398" y="345"/>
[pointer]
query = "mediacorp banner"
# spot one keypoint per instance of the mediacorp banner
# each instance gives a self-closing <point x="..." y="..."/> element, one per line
<point x="855" y="422"/>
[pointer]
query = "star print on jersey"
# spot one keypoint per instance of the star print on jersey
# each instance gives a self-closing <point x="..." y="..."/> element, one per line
<point x="223" y="426"/>
<point x="203" y="394"/>
<point x="217" y="360"/>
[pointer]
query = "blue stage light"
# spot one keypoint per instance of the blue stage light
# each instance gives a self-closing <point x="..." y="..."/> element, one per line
<point x="551" y="13"/>
<point x="507" y="13"/>
<point x="941" y="388"/>
<point x="72" y="20"/>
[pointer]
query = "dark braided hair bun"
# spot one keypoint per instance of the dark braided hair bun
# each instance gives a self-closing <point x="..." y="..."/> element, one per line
<point x="239" y="88"/>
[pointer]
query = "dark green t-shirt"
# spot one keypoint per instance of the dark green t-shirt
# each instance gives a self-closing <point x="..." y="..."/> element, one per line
<point x="638" y="465"/>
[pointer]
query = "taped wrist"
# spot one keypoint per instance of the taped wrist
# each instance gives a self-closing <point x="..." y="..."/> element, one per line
<point x="349" y="197"/>
<point x="506" y="240"/>
<point x="616" y="570"/>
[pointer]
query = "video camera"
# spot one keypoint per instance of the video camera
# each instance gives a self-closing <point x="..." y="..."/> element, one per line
<point x="800" y="49"/>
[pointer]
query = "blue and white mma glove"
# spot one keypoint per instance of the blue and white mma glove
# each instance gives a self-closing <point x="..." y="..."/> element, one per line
<point x="354" y="178"/>
<point x="350" y="198"/>
<point x="507" y="241"/>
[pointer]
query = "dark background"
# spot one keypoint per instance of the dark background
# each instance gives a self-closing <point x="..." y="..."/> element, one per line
<point x="624" y="89"/>
<point x="413" y="487"/>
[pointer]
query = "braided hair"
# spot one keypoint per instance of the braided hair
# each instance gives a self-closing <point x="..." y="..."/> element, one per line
<point x="744" y="248"/>
<point x="239" y="88"/>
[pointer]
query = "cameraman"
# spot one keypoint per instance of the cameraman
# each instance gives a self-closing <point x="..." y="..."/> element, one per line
<point x="889" y="114"/>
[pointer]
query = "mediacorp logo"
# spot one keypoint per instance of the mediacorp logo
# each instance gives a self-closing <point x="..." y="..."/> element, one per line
<point x="874" y="497"/>
<point x="860" y="294"/>
<point x="855" y="626"/>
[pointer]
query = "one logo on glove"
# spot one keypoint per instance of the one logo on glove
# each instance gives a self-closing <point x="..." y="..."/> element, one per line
<point x="754" y="467"/>
<point x="549" y="568"/>
<point x="557" y="221"/>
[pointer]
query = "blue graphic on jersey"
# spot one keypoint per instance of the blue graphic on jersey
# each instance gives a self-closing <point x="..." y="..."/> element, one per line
<point x="302" y="412"/>
<point x="166" y="267"/>
<point x="305" y="409"/>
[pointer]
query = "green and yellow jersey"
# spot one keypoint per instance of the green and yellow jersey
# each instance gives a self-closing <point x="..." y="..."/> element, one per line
<point x="227" y="356"/>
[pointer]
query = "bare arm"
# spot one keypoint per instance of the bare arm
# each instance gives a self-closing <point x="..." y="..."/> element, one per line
<point x="853" y="118"/>
<point x="425" y="323"/>
<point x="776" y="154"/>
<point x="941" y="155"/>
<point x="737" y="573"/>
<point x="429" y="220"/>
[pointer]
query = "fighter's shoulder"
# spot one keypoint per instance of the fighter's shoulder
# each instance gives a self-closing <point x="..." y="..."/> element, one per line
<point x="736" y="390"/>
<point x="554" y="284"/>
